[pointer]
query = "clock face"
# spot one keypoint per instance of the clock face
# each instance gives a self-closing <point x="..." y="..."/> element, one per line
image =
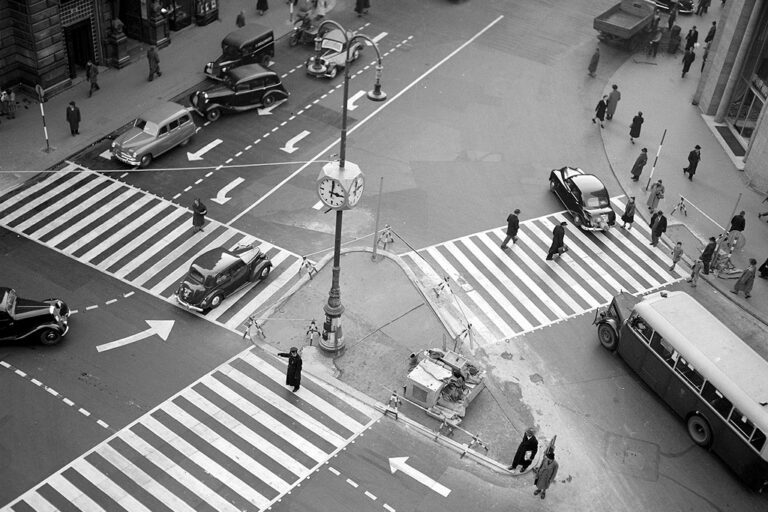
<point x="356" y="191"/>
<point x="331" y="192"/>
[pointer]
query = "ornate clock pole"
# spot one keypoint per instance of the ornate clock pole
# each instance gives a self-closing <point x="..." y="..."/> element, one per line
<point x="340" y="187"/>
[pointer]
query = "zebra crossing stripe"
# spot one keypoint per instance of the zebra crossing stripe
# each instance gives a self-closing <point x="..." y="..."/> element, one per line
<point x="107" y="486"/>
<point x="59" y="188"/>
<point x="104" y="225"/>
<point x="73" y="494"/>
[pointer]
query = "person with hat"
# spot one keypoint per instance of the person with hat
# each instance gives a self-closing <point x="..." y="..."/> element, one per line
<point x="628" y="217"/>
<point x="293" y="374"/>
<point x="513" y="225"/>
<point x="526" y="451"/>
<point x="637" y="168"/>
<point x="694" y="157"/>
<point x="558" y="241"/>
<point x="73" y="118"/>
<point x="546" y="474"/>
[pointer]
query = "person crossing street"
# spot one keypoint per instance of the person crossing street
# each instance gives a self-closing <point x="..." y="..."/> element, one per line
<point x="513" y="225"/>
<point x="558" y="241"/>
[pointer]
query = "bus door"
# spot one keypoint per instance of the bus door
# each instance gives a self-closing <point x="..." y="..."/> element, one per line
<point x="656" y="368"/>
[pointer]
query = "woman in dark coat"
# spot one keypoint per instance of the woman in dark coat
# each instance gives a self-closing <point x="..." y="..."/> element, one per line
<point x="526" y="452"/>
<point x="198" y="215"/>
<point x="634" y="130"/>
<point x="600" y="110"/>
<point x="629" y="214"/>
<point x="293" y="374"/>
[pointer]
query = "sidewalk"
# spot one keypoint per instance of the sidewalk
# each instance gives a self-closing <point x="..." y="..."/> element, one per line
<point x="655" y="87"/>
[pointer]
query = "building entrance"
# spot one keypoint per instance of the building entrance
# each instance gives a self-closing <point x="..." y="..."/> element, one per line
<point x="79" y="45"/>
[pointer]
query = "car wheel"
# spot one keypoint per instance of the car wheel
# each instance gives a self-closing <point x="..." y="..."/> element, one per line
<point x="213" y="114"/>
<point x="145" y="160"/>
<point x="264" y="272"/>
<point x="578" y="220"/>
<point x="700" y="431"/>
<point x="268" y="101"/>
<point x="355" y="53"/>
<point x="216" y="300"/>
<point x="607" y="336"/>
<point x="332" y="72"/>
<point x="50" y="336"/>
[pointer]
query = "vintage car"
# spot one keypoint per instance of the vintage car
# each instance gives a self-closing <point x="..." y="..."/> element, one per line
<point x="585" y="197"/>
<point x="334" y="58"/>
<point x="250" y="44"/>
<point x="218" y="273"/>
<point x="24" y="319"/>
<point x="244" y="88"/>
<point x="683" y="6"/>
<point x="153" y="133"/>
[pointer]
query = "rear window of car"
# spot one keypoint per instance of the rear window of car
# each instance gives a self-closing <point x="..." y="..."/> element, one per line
<point x="596" y="200"/>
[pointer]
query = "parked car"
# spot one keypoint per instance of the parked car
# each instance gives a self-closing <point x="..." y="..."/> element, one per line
<point x="153" y="133"/>
<point x="683" y="6"/>
<point x="22" y="319"/>
<point x="334" y="59"/>
<point x="244" y="88"/>
<point x="585" y="197"/>
<point x="218" y="273"/>
<point x="250" y="44"/>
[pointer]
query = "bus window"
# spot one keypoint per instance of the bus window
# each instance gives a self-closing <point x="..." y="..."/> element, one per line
<point x="716" y="399"/>
<point x="642" y="327"/>
<point x="742" y="423"/>
<point x="758" y="440"/>
<point x="664" y="349"/>
<point x="689" y="373"/>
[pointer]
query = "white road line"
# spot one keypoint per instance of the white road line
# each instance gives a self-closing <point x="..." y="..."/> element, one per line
<point x="146" y="234"/>
<point x="107" y="486"/>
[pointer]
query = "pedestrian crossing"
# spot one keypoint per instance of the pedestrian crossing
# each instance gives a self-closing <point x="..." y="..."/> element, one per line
<point x="508" y="293"/>
<point x="236" y="440"/>
<point x="135" y="236"/>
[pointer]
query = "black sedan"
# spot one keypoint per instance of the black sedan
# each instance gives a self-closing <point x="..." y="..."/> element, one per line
<point x="585" y="197"/>
<point x="218" y="273"/>
<point x="244" y="88"/>
<point x="683" y="6"/>
<point x="24" y="319"/>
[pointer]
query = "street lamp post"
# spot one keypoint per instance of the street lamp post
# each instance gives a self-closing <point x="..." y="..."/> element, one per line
<point x="340" y="185"/>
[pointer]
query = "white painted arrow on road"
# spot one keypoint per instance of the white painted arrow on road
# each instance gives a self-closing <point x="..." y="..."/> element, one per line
<point x="290" y="146"/>
<point x="198" y="155"/>
<point x="267" y="111"/>
<point x="377" y="38"/>
<point x="399" y="463"/>
<point x="106" y="154"/>
<point x="160" y="327"/>
<point x="351" y="101"/>
<point x="221" y="196"/>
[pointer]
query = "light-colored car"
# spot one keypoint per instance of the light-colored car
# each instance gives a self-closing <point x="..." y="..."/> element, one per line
<point x="334" y="58"/>
<point x="153" y="133"/>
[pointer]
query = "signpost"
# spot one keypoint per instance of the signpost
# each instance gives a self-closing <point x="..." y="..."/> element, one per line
<point x="41" y="97"/>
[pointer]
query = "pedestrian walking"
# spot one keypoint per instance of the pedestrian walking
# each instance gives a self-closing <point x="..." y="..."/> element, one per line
<point x="293" y="373"/>
<point x="707" y="254"/>
<point x="656" y="194"/>
<point x="600" y="109"/>
<point x="695" y="271"/>
<point x="705" y="55"/>
<point x="11" y="104"/>
<point x="637" y="168"/>
<point x="199" y="211"/>
<point x="701" y="8"/>
<point x="73" y="118"/>
<point x="656" y="20"/>
<point x="261" y="7"/>
<point x="154" y="63"/>
<point x="593" y="62"/>
<point x="634" y="129"/>
<point x="694" y="157"/>
<point x="613" y="100"/>
<point x="628" y="217"/>
<point x="362" y="6"/>
<point x="526" y="451"/>
<point x="691" y="38"/>
<point x="658" y="227"/>
<point x="240" y="21"/>
<point x="92" y="73"/>
<point x="677" y="253"/>
<point x="672" y="16"/>
<point x="546" y="474"/>
<point x="746" y="280"/>
<point x="711" y="34"/>
<point x="558" y="241"/>
<point x="513" y="225"/>
<point x="688" y="57"/>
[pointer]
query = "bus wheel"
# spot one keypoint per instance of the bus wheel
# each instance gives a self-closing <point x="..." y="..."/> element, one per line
<point x="608" y="337"/>
<point x="700" y="431"/>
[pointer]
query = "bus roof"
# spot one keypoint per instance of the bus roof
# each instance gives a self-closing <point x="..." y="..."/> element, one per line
<point x="713" y="349"/>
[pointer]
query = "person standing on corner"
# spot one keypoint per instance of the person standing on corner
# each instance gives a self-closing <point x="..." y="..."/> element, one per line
<point x="628" y="217"/>
<point x="738" y="223"/>
<point x="602" y="105"/>
<point x="92" y="73"/>
<point x="637" y="168"/>
<point x="154" y="63"/>
<point x="261" y="7"/>
<point x="658" y="227"/>
<point x="362" y="6"/>
<point x="513" y="225"/>
<point x="656" y="194"/>
<point x="199" y="211"/>
<point x="293" y="373"/>
<point x="546" y="474"/>
<point x="613" y="101"/>
<point x="558" y="241"/>
<point x="707" y="254"/>
<point x="746" y="280"/>
<point x="677" y="253"/>
<point x="240" y="21"/>
<point x="73" y="118"/>
<point x="694" y="157"/>
<point x="688" y="57"/>
<point x="526" y="451"/>
<point x="593" y="62"/>
<point x="634" y="129"/>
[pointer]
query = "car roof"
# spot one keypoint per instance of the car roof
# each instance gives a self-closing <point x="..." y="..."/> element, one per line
<point x="588" y="183"/>
<point x="245" y="35"/>
<point x="249" y="71"/>
<point x="162" y="112"/>
<point x="214" y="261"/>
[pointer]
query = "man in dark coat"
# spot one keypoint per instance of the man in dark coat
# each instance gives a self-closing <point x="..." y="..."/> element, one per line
<point x="513" y="225"/>
<point x="593" y="62"/>
<point x="154" y="63"/>
<point x="738" y="223"/>
<point x="92" y="73"/>
<point x="708" y="254"/>
<point x="658" y="227"/>
<point x="240" y="20"/>
<point x="637" y="169"/>
<point x="600" y="110"/>
<point x="293" y="374"/>
<point x="691" y="38"/>
<point x="613" y="101"/>
<point x="694" y="157"/>
<point x="672" y="16"/>
<point x="711" y="34"/>
<point x="558" y="240"/>
<point x="199" y="212"/>
<point x="526" y="451"/>
<point x="688" y="57"/>
<point x="73" y="118"/>
<point x="634" y="130"/>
